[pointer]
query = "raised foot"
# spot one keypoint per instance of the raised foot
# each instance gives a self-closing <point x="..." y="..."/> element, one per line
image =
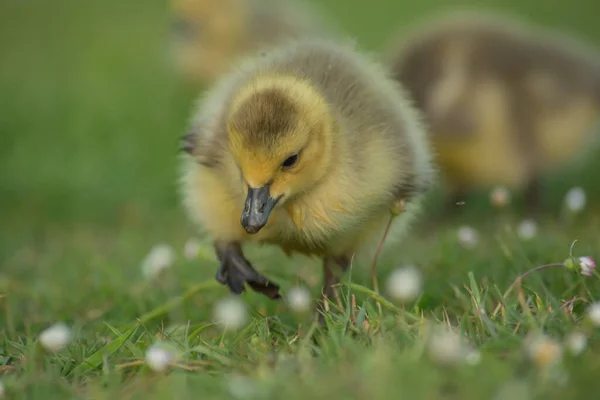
<point x="235" y="270"/>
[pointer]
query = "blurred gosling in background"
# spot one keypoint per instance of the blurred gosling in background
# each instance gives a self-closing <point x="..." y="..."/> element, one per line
<point x="208" y="36"/>
<point x="505" y="102"/>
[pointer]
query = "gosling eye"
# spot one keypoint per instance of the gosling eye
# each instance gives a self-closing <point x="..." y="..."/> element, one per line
<point x="290" y="161"/>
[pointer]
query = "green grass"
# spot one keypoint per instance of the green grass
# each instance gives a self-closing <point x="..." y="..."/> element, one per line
<point x="89" y="125"/>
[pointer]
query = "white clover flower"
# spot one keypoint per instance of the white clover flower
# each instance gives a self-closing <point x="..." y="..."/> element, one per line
<point x="575" y="199"/>
<point x="405" y="283"/>
<point x="576" y="342"/>
<point x="514" y="390"/>
<point x="473" y="357"/>
<point x="527" y="229"/>
<point x="582" y="265"/>
<point x="446" y="347"/>
<point x="159" y="357"/>
<point x="230" y="312"/>
<point x="56" y="337"/>
<point x="500" y="196"/>
<point x="191" y="248"/>
<point x="594" y="313"/>
<point x="299" y="299"/>
<point x="588" y="265"/>
<point x="241" y="387"/>
<point x="161" y="257"/>
<point x="468" y="237"/>
<point x="542" y="350"/>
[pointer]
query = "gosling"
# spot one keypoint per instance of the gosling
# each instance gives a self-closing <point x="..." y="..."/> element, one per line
<point x="308" y="147"/>
<point x="208" y="36"/>
<point x="505" y="102"/>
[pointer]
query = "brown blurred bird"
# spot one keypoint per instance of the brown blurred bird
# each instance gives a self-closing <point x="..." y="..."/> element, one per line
<point x="309" y="147"/>
<point x="505" y="102"/>
<point x="208" y="36"/>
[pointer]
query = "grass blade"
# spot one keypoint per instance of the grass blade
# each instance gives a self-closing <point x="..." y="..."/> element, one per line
<point x="95" y="360"/>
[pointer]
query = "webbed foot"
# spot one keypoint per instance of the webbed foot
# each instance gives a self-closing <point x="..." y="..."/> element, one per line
<point x="235" y="270"/>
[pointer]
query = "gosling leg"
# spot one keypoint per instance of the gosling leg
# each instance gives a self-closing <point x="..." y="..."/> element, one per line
<point x="235" y="270"/>
<point x="532" y="196"/>
<point x="333" y="267"/>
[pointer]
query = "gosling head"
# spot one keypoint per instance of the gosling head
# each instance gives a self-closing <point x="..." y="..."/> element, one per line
<point x="280" y="133"/>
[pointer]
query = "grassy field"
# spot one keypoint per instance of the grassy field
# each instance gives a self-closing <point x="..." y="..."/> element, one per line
<point x="89" y="122"/>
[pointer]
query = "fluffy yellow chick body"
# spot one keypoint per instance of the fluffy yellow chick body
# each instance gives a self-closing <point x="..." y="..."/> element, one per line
<point x="505" y="102"/>
<point x="210" y="35"/>
<point x="305" y="147"/>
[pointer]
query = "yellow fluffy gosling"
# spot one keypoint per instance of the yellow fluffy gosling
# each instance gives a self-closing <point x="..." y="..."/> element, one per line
<point x="306" y="147"/>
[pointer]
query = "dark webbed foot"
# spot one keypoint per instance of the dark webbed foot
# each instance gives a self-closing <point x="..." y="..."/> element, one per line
<point x="235" y="270"/>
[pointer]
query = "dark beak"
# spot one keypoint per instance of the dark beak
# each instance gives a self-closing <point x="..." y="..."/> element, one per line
<point x="259" y="205"/>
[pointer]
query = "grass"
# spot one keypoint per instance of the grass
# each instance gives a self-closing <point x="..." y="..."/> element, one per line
<point x="89" y="125"/>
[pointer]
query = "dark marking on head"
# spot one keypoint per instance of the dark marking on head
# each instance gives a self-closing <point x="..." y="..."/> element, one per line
<point x="264" y="117"/>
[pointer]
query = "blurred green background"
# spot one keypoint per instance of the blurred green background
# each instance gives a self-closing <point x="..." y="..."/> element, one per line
<point x="91" y="112"/>
<point x="90" y="116"/>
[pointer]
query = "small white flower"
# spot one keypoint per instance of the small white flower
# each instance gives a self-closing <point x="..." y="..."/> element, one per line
<point x="405" y="283"/>
<point x="500" y="196"/>
<point x="527" y="229"/>
<point x="594" y="313"/>
<point x="446" y="347"/>
<point x="56" y="337"/>
<point x="473" y="357"/>
<point x="161" y="256"/>
<point x="576" y="342"/>
<point x="230" y="312"/>
<point x="191" y="248"/>
<point x="159" y="357"/>
<point x="241" y="387"/>
<point x="299" y="299"/>
<point x="588" y="265"/>
<point x="575" y="199"/>
<point x="514" y="390"/>
<point x="543" y="350"/>
<point x="468" y="237"/>
<point x="583" y="265"/>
